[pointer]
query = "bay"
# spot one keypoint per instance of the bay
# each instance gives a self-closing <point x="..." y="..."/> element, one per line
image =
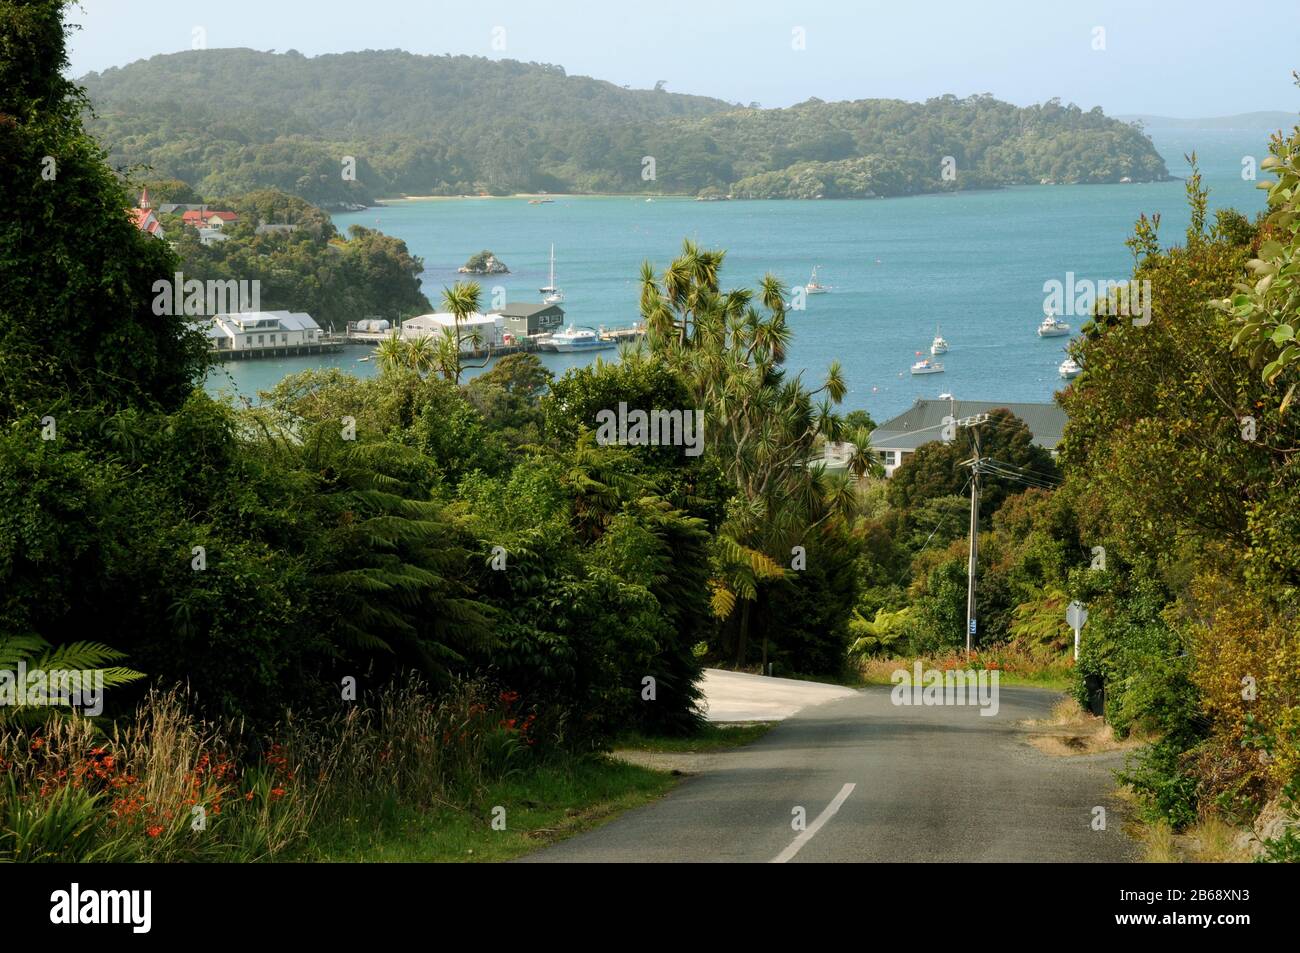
<point x="972" y="263"/>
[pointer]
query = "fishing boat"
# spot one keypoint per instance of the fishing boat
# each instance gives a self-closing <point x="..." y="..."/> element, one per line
<point x="1052" y="328"/>
<point x="814" y="287"/>
<point x="1070" y="369"/>
<point x="927" y="366"/>
<point x="550" y="293"/>
<point x="938" y="345"/>
<point x="579" y="339"/>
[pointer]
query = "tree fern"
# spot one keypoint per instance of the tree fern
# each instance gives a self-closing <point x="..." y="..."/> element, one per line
<point x="36" y="654"/>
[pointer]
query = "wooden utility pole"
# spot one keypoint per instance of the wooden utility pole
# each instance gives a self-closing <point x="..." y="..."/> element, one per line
<point x="974" y="542"/>
<point x="974" y="463"/>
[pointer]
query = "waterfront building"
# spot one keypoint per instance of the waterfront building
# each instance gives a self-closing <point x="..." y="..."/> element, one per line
<point x="526" y="318"/>
<point x="477" y="331"/>
<point x="243" y="333"/>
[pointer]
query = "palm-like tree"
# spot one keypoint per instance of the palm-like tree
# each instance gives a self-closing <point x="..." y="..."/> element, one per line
<point x="391" y="352"/>
<point x="421" y="355"/>
<point x="862" y="461"/>
<point x="462" y="300"/>
<point x="762" y="424"/>
<point x="447" y="354"/>
<point x="632" y="352"/>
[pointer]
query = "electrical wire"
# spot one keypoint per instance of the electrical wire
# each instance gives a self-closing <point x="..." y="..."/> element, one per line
<point x="942" y="522"/>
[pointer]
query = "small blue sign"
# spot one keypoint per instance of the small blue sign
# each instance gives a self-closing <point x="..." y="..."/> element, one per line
<point x="972" y="627"/>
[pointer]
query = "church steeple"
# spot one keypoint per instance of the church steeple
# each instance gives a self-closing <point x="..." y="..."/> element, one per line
<point x="144" y="198"/>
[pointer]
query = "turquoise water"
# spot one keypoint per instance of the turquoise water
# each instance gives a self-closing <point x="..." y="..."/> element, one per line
<point x="973" y="263"/>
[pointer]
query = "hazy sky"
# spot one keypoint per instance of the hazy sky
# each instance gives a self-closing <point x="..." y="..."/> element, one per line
<point x="1189" y="58"/>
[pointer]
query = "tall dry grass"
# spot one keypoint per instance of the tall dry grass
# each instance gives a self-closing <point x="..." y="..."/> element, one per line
<point x="167" y="785"/>
<point x="1015" y="663"/>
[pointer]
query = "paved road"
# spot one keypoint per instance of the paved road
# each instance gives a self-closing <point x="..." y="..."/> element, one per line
<point x="738" y="696"/>
<point x="928" y="784"/>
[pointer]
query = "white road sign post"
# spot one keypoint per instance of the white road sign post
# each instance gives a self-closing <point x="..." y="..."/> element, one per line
<point x="1075" y="616"/>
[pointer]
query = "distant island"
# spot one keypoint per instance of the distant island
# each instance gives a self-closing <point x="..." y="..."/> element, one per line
<point x="1267" y="120"/>
<point x="483" y="263"/>
<point x="346" y="129"/>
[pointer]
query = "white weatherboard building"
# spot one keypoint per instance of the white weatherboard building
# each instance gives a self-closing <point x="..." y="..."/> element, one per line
<point x="260" y="330"/>
<point x="477" y="331"/>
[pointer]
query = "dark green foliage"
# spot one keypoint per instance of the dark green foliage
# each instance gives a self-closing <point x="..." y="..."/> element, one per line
<point x="582" y="393"/>
<point x="938" y="619"/>
<point x="507" y="397"/>
<point x="1159" y="774"/>
<point x="807" y="614"/>
<point x="76" y="322"/>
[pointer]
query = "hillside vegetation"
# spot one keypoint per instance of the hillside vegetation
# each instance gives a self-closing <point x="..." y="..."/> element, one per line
<point x="233" y="121"/>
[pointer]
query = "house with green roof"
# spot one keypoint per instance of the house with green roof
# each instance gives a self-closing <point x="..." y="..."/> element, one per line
<point x="527" y="318"/>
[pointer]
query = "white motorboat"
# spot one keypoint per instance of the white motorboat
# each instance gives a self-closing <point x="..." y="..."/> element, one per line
<point x="927" y="366"/>
<point x="938" y="345"/>
<point x="1052" y="328"/>
<point x="1070" y="369"/>
<point x="579" y="339"/>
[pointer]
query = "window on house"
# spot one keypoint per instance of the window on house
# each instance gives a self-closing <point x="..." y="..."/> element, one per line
<point x="284" y="339"/>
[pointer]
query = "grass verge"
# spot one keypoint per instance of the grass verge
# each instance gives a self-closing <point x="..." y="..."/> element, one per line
<point x="542" y="805"/>
<point x="712" y="737"/>
<point x="1013" y="668"/>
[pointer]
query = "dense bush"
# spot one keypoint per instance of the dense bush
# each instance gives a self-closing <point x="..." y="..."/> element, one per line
<point x="254" y="120"/>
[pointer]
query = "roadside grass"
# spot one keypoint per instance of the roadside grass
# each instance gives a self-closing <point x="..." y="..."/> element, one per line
<point x="543" y="804"/>
<point x="410" y="777"/>
<point x="1013" y="667"/>
<point x="1069" y="731"/>
<point x="1208" y="841"/>
<point x="1158" y="845"/>
<point x="712" y="737"/>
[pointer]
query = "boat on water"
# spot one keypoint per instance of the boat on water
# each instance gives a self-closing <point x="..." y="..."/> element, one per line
<point x="550" y="293"/>
<point x="938" y="345"/>
<point x="1070" y="369"/>
<point x="579" y="339"/>
<point x="364" y="359"/>
<point x="927" y="366"/>
<point x="1052" y="328"/>
<point x="541" y="201"/>
<point x="814" y="287"/>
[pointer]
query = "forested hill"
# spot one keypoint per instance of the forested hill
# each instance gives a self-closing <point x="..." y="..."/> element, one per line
<point x="230" y="121"/>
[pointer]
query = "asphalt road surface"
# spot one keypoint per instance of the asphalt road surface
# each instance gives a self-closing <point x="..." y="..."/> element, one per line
<point x="879" y="782"/>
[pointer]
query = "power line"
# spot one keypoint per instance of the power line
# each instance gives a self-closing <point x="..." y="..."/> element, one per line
<point x="1050" y="477"/>
<point x="1017" y="478"/>
<point x="942" y="522"/>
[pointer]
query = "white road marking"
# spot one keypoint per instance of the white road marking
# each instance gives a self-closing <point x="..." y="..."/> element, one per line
<point x="806" y="835"/>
